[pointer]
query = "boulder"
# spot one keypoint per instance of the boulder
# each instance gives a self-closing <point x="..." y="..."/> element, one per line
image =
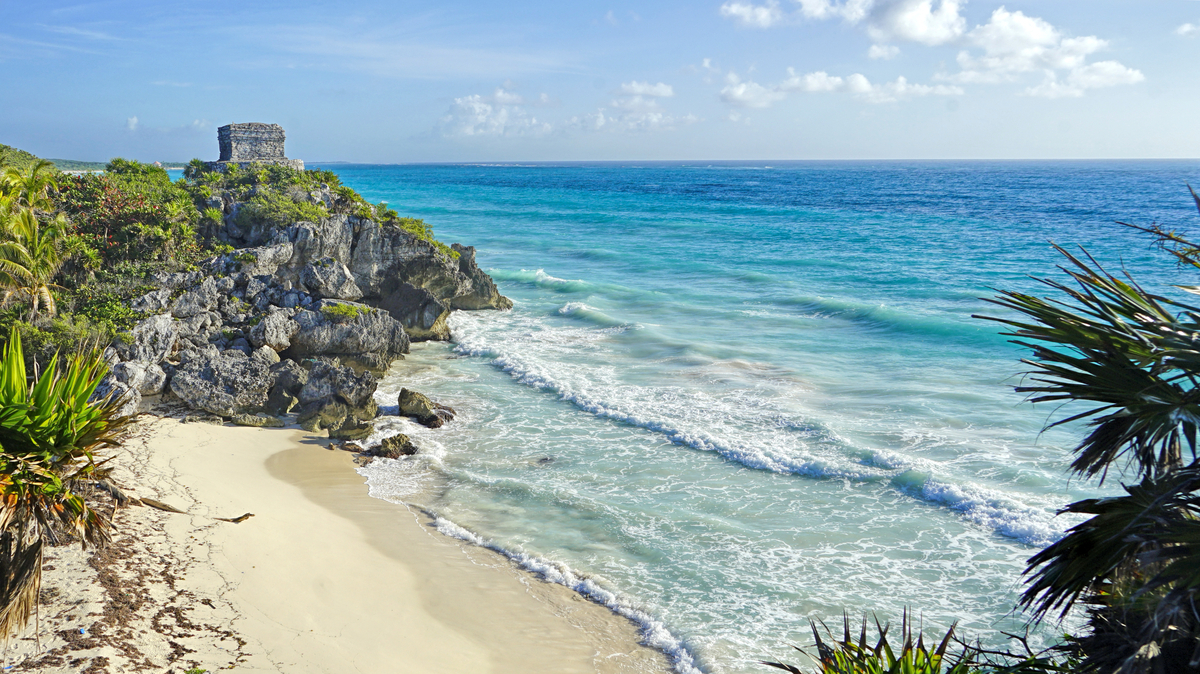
<point x="198" y="300"/>
<point x="289" y="379"/>
<point x="421" y="314"/>
<point x="152" y="302"/>
<point x="266" y="355"/>
<point x="337" y="399"/>
<point x="351" y="331"/>
<point x="424" y="410"/>
<point x="112" y="388"/>
<point x="394" y="447"/>
<point x="257" y="420"/>
<point x="329" y="278"/>
<point x="224" y="383"/>
<point x="148" y="379"/>
<point x="275" y="330"/>
<point x="152" y="340"/>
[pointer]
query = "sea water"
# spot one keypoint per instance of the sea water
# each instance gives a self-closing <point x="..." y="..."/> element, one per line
<point x="733" y="397"/>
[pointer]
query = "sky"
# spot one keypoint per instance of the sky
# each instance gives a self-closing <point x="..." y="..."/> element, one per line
<point x="528" y="80"/>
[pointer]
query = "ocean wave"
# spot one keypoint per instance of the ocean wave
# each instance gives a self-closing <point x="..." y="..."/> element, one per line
<point x="881" y="316"/>
<point x="541" y="279"/>
<point x="590" y="314"/>
<point x="988" y="508"/>
<point x="654" y="633"/>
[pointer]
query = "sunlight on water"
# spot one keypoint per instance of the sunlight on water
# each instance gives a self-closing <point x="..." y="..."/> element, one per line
<point x="723" y="406"/>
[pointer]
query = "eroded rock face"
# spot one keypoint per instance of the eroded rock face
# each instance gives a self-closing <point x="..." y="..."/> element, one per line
<point x="153" y="340"/>
<point x="351" y="331"/>
<point x="421" y="314"/>
<point x="481" y="292"/>
<point x="336" y="399"/>
<point x="222" y="382"/>
<point x="275" y="330"/>
<point x="329" y="278"/>
<point x="424" y="410"/>
<point x="148" y="379"/>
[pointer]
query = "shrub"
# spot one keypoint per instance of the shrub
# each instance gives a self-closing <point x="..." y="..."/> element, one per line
<point x="861" y="657"/>
<point x="341" y="312"/>
<point x="276" y="209"/>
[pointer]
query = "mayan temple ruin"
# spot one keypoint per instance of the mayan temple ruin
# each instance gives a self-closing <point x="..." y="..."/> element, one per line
<point x="252" y="143"/>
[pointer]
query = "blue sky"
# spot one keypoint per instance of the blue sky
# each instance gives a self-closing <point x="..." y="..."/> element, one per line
<point x="705" y="79"/>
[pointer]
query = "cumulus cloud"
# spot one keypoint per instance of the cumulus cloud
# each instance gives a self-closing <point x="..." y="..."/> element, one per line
<point x="636" y="88"/>
<point x="850" y="10"/>
<point x="1188" y="30"/>
<point x="918" y="21"/>
<point x="1092" y="76"/>
<point x="131" y="123"/>
<point x="859" y="85"/>
<point x="748" y="94"/>
<point x="748" y="14"/>
<point x="501" y="114"/>
<point x="1014" y="44"/>
<point x="883" y="51"/>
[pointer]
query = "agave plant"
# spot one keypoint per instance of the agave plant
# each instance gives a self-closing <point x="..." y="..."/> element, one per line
<point x="849" y="656"/>
<point x="50" y="431"/>
<point x="1128" y="361"/>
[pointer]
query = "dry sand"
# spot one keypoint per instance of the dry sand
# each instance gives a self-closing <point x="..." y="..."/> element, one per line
<point x="323" y="578"/>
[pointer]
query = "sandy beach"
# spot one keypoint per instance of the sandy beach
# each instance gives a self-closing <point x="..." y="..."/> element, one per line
<point x="322" y="577"/>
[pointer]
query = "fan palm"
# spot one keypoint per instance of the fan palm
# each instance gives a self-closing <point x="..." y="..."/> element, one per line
<point x="1128" y="362"/>
<point x="50" y="430"/>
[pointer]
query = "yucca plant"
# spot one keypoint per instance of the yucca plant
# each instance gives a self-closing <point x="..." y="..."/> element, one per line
<point x="849" y="656"/>
<point x="50" y="431"/>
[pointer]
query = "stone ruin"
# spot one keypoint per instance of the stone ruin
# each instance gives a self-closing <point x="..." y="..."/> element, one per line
<point x="252" y="143"/>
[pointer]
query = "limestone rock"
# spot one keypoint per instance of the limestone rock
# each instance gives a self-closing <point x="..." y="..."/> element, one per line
<point x="198" y="300"/>
<point x="424" y="410"/>
<point x="329" y="278"/>
<point x="266" y="355"/>
<point x="257" y="420"/>
<point x="481" y="292"/>
<point x="394" y="447"/>
<point x="112" y="388"/>
<point x="275" y="330"/>
<point x="349" y="330"/>
<point x="148" y="379"/>
<point x="337" y="399"/>
<point x="224" y="383"/>
<point x="153" y="339"/>
<point x="152" y="302"/>
<point x="421" y="314"/>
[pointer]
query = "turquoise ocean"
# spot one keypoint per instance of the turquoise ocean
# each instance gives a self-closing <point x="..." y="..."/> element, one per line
<point x="734" y="396"/>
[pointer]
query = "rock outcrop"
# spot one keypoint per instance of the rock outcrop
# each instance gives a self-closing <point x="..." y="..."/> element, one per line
<point x="424" y="410"/>
<point x="336" y="399"/>
<point x="226" y="383"/>
<point x="353" y="332"/>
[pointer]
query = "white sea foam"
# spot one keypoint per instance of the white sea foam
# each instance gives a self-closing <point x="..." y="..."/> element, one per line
<point x="762" y="438"/>
<point x="654" y="633"/>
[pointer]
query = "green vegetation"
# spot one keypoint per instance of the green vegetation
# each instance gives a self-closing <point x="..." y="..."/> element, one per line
<point x="861" y="657"/>
<point x="341" y="312"/>
<point x="74" y="165"/>
<point x="18" y="159"/>
<point x="49" y="433"/>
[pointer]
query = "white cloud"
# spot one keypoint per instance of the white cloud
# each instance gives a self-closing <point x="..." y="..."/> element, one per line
<point x="883" y="51"/>
<point x="500" y="114"/>
<point x="748" y="94"/>
<point x="1188" y="30"/>
<point x="858" y="85"/>
<point x="636" y="88"/>
<point x="1092" y="76"/>
<point x="1014" y="44"/>
<point x="918" y="21"/>
<point x="758" y="16"/>
<point x="850" y="10"/>
<point x="131" y="123"/>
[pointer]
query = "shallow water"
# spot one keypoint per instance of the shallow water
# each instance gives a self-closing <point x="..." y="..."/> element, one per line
<point x="733" y="397"/>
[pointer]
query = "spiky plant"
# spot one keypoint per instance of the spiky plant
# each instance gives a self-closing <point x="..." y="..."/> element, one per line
<point x="849" y="656"/>
<point x="50" y="431"/>
<point x="1128" y="363"/>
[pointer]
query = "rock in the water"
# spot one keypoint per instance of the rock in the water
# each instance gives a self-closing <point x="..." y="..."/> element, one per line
<point x="424" y="410"/>
<point x="257" y="420"/>
<point x="329" y="278"/>
<point x="421" y="314"/>
<point x="394" y="447"/>
<point x="224" y="383"/>
<point x="275" y="330"/>
<point x="349" y="330"/>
